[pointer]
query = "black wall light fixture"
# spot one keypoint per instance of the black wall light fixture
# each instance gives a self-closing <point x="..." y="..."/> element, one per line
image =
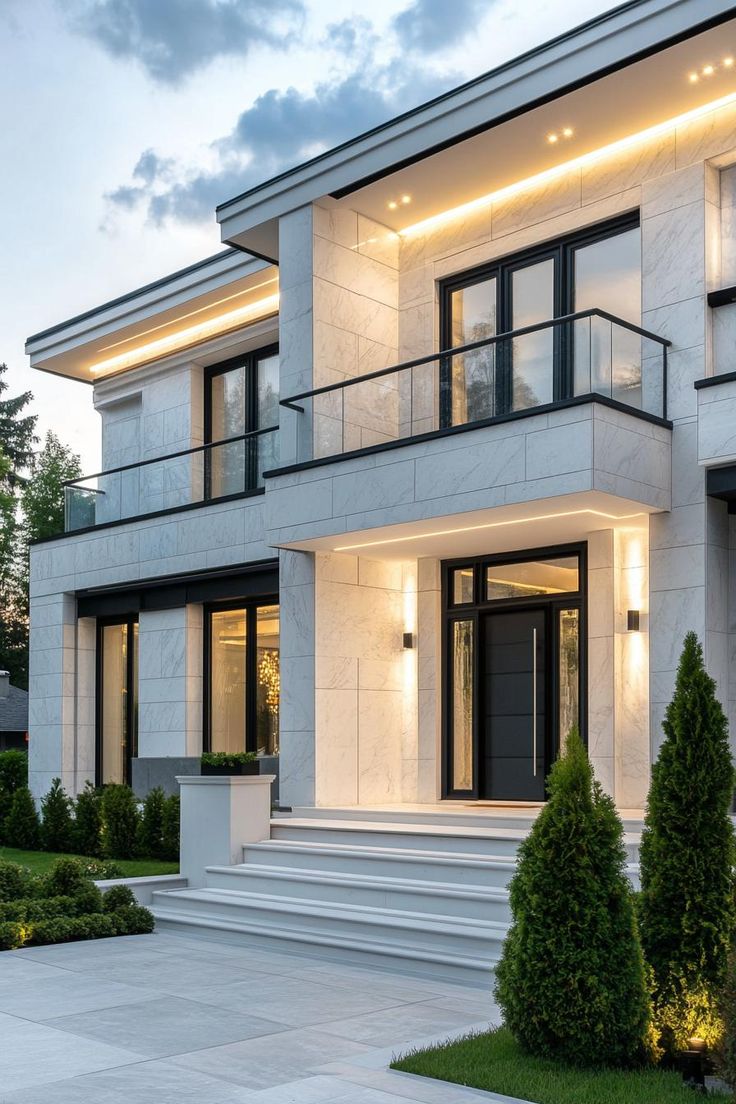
<point x="632" y="620"/>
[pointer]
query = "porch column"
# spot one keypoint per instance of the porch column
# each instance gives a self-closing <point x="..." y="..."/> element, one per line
<point x="297" y="712"/>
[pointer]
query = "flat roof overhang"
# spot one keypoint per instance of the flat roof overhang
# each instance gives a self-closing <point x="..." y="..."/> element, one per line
<point x="191" y="306"/>
<point x="534" y="524"/>
<point x="621" y="73"/>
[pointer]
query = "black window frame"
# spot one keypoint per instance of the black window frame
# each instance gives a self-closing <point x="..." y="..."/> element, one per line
<point x="131" y="725"/>
<point x="562" y="251"/>
<point x="249" y="362"/>
<point x="473" y="611"/>
<point x="250" y="606"/>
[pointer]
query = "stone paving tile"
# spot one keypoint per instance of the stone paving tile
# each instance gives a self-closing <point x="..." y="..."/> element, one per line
<point x="273" y="1060"/>
<point x="401" y="1024"/>
<point x="64" y="994"/>
<point x="34" y="1054"/>
<point x="156" y="1082"/>
<point x="165" y="1026"/>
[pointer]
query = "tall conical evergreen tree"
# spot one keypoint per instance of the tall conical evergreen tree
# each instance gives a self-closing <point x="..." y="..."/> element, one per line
<point x="571" y="982"/>
<point x="686" y="910"/>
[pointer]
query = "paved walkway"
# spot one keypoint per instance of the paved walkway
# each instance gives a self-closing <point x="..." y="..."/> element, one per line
<point x="164" y="1019"/>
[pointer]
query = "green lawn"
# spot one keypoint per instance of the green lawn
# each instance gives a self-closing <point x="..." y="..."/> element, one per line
<point x="40" y="861"/>
<point x="493" y="1061"/>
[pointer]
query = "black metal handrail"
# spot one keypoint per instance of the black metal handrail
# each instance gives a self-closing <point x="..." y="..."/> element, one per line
<point x="169" y="456"/>
<point x="291" y="401"/>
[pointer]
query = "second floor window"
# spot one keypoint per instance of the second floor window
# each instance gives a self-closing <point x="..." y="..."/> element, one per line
<point x="241" y="395"/>
<point x="600" y="268"/>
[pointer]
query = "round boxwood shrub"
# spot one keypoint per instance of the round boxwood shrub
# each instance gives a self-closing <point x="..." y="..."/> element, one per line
<point x="15" y="881"/>
<point x="117" y="897"/>
<point x="22" y="826"/>
<point x="88" y="822"/>
<point x="571" y="981"/>
<point x="119" y="822"/>
<point x="56" y="819"/>
<point x="686" y="906"/>
<point x="12" y="935"/>
<point x="134" y="920"/>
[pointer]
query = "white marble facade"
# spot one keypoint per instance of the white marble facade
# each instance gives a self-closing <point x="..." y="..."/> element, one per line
<point x="360" y="715"/>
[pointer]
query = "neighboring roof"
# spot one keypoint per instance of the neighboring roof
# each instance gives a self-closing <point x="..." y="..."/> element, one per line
<point x="14" y="711"/>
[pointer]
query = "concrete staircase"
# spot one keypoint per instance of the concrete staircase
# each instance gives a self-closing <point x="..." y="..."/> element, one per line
<point x="426" y="891"/>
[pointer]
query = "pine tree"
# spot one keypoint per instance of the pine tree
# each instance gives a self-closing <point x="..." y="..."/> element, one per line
<point x="56" y="819"/>
<point x="22" y="827"/>
<point x="42" y="498"/>
<point x="686" y="909"/>
<point x="17" y="438"/>
<point x="571" y="981"/>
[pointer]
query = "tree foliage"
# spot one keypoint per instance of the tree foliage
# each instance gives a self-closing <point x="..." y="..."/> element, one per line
<point x="56" y="819"/>
<point x="42" y="498"/>
<point x="22" y="827"/>
<point x="571" y="981"/>
<point x="686" y="910"/>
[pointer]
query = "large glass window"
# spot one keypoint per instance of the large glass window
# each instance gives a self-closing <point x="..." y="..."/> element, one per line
<point x="242" y="395"/>
<point x="598" y="268"/>
<point x="117" y="700"/>
<point x="244" y="679"/>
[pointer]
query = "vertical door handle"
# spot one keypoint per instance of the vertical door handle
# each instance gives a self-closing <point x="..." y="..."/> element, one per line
<point x="534" y="702"/>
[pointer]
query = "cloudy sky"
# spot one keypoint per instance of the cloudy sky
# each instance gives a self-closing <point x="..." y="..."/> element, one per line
<point x="123" y="123"/>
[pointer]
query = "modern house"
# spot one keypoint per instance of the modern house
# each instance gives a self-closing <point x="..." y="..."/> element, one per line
<point x="434" y="461"/>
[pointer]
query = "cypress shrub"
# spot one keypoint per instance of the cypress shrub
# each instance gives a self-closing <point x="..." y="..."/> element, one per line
<point x="88" y="822"/>
<point x="56" y="819"/>
<point x="13" y="770"/>
<point x="22" y="826"/>
<point x="571" y="981"/>
<point x="150" y="830"/>
<point x="686" y="906"/>
<point x="119" y="822"/>
<point x="170" y="829"/>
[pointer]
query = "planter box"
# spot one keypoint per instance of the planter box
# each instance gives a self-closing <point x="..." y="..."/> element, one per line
<point x="237" y="770"/>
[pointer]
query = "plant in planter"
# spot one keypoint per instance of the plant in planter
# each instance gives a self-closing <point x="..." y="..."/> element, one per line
<point x="226" y="762"/>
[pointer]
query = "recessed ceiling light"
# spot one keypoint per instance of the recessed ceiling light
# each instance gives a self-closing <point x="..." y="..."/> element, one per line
<point x="728" y="62"/>
<point x="406" y="199"/>
<point x="708" y="70"/>
<point x="693" y="78"/>
<point x="392" y="205"/>
<point x="567" y="132"/>
<point x="552" y="138"/>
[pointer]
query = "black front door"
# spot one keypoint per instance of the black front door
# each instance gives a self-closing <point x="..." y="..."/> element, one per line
<point x="513" y="705"/>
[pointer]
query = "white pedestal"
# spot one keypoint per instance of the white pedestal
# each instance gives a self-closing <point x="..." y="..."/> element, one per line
<point x="218" y="815"/>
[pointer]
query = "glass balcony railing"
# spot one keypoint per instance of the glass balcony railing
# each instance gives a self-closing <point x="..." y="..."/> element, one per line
<point x="587" y="354"/>
<point x="203" y="474"/>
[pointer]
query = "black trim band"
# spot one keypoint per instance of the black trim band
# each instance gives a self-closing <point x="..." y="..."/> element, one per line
<point x="713" y="381"/>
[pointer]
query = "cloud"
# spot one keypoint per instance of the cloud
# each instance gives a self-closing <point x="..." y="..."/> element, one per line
<point x="430" y="25"/>
<point x="173" y="38"/>
<point x="282" y="128"/>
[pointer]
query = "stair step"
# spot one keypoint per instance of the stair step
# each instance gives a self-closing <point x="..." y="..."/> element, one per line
<point x="410" y="958"/>
<point x="502" y="842"/>
<point x="458" y="868"/>
<point x="448" y="898"/>
<point x="443" y="934"/>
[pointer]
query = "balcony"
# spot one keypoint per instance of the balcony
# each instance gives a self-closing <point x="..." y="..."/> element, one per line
<point x="214" y="472"/>
<point x="563" y="361"/>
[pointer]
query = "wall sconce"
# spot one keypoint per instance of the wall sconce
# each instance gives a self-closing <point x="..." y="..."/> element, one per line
<point x="632" y="620"/>
<point x="408" y="640"/>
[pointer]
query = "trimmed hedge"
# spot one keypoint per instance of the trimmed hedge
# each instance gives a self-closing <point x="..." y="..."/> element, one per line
<point x="33" y="911"/>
